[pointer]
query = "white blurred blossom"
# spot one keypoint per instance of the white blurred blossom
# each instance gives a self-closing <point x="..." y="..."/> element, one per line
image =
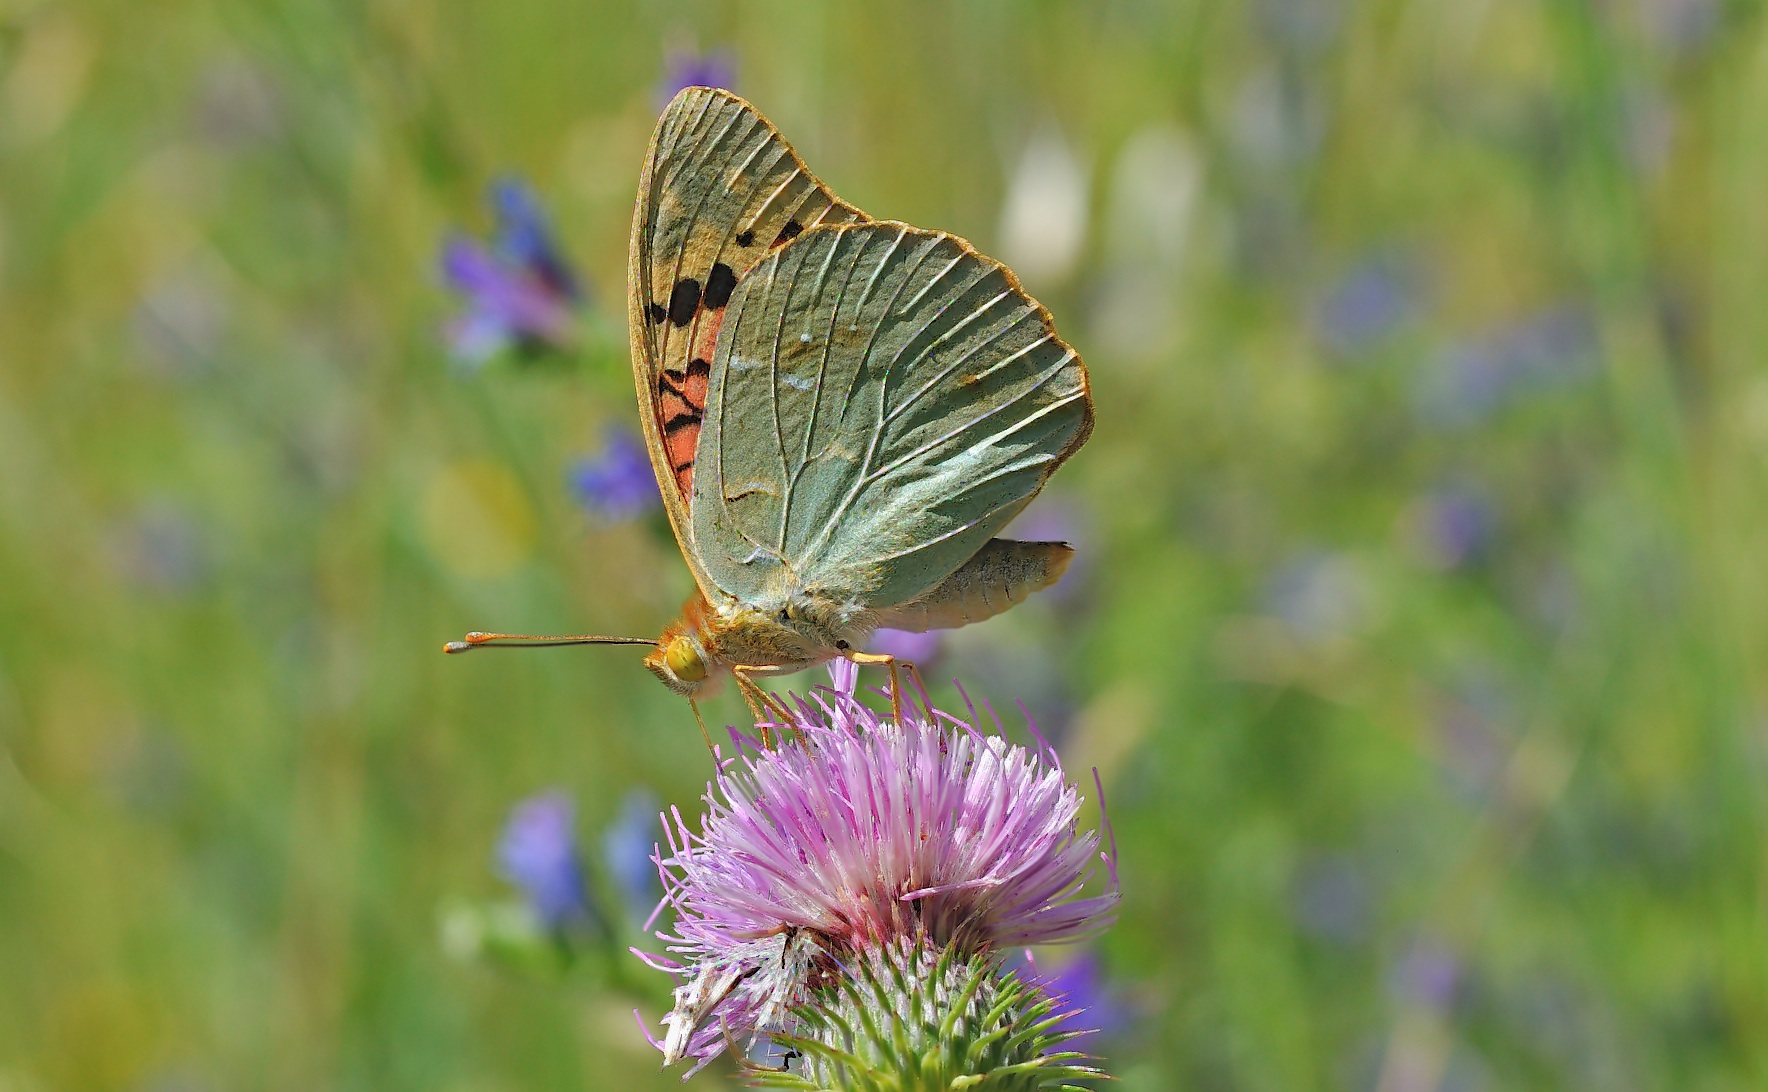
<point x="1155" y="186"/>
<point x="1044" y="216"/>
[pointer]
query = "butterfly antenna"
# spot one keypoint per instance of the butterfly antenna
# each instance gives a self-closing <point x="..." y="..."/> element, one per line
<point x="529" y="640"/>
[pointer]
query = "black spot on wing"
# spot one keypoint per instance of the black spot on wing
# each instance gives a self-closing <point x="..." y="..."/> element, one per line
<point x="791" y="231"/>
<point x="720" y="283"/>
<point x="684" y="301"/>
<point x="746" y="238"/>
<point x="698" y="366"/>
<point x="656" y="312"/>
<point x="680" y="421"/>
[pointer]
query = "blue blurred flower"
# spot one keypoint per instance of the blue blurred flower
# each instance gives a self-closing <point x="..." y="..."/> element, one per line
<point x="1470" y="381"/>
<point x="162" y="548"/>
<point x="1092" y="1006"/>
<point x="1319" y="594"/>
<point x="1301" y="26"/>
<point x="627" y="848"/>
<point x="519" y="291"/>
<point x="1364" y="306"/>
<point x="538" y="853"/>
<point x="1332" y="898"/>
<point x="690" y="68"/>
<point x="618" y="484"/>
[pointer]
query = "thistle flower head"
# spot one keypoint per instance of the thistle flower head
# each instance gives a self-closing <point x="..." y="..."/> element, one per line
<point x="859" y="835"/>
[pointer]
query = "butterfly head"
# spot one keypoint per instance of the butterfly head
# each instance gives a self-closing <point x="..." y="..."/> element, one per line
<point x="681" y="662"/>
<point x="683" y="659"/>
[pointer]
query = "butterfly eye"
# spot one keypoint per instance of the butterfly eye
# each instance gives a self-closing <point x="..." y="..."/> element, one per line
<point x="684" y="660"/>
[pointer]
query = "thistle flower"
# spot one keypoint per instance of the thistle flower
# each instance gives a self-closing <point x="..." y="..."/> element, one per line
<point x="618" y="484"/>
<point x="519" y="291"/>
<point x="538" y="854"/>
<point x="851" y="894"/>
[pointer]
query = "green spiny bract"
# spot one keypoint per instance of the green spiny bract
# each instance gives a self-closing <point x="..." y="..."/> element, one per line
<point x="909" y="1018"/>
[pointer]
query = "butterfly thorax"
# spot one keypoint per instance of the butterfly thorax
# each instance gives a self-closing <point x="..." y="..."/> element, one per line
<point x="784" y="633"/>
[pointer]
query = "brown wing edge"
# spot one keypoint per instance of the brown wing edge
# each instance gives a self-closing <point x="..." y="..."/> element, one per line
<point x="645" y="367"/>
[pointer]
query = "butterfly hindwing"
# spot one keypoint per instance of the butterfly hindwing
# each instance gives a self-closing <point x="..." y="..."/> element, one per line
<point x="720" y="190"/>
<point x="882" y="400"/>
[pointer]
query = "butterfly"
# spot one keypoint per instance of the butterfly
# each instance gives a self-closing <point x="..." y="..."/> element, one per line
<point x="841" y="411"/>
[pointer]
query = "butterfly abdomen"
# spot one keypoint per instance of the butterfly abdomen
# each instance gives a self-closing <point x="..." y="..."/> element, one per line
<point x="1003" y="573"/>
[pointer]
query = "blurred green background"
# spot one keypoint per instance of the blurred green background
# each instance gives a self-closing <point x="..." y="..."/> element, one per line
<point x="1421" y="624"/>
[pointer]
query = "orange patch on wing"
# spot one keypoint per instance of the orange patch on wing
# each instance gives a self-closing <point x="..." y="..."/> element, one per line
<point x="706" y="335"/>
<point x="681" y="401"/>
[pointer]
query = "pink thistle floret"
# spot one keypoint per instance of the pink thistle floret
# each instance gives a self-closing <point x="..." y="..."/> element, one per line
<point x="853" y="834"/>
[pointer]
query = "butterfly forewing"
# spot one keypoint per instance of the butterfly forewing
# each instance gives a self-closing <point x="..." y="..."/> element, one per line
<point x="721" y="189"/>
<point x="882" y="400"/>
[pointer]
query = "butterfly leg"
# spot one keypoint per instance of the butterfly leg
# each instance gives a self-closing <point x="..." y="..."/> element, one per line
<point x="764" y="705"/>
<point x="704" y="734"/>
<point x="894" y="664"/>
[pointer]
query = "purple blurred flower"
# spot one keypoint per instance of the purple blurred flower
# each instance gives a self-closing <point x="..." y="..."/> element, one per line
<point x="858" y="836"/>
<point x="538" y="853"/>
<point x="519" y="291"/>
<point x="683" y="69"/>
<point x="1453" y="526"/>
<point x="628" y="848"/>
<point x="1428" y="975"/>
<point x="525" y="239"/>
<point x="916" y="648"/>
<point x="1470" y="740"/>
<point x="1681" y="26"/>
<point x="1055" y="518"/>
<point x="618" y="484"/>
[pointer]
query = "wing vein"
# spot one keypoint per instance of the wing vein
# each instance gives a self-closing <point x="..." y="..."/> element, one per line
<point x="1055" y="370"/>
<point x="773" y="394"/>
<point x="955" y="329"/>
<point x="864" y="358"/>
